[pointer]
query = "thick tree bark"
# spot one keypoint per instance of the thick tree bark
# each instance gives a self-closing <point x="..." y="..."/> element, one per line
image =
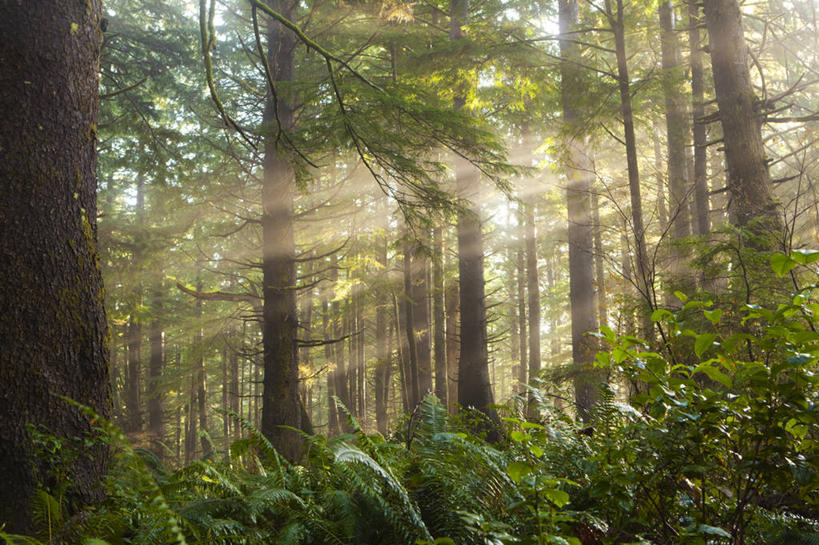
<point x="280" y="396"/>
<point x="439" y="334"/>
<point x="702" y="206"/>
<point x="52" y="329"/>
<point x="749" y="182"/>
<point x="474" y="388"/>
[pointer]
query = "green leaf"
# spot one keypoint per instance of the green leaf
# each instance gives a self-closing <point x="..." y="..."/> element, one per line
<point x="536" y="451"/>
<point x="782" y="264"/>
<point x="556" y="496"/>
<point x="660" y="313"/>
<point x="711" y="371"/>
<point x="518" y="470"/>
<point x="804" y="257"/>
<point x="713" y="316"/>
<point x="703" y="343"/>
<point x="517" y="436"/>
<point x="712" y="531"/>
<point x="681" y="296"/>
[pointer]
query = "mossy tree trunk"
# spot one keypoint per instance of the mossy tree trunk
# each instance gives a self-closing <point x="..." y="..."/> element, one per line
<point x="52" y="327"/>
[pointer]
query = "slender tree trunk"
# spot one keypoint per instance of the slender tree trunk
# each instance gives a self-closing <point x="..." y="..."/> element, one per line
<point x="133" y="390"/>
<point x="156" y="364"/>
<point x="382" y="358"/>
<point x="533" y="289"/>
<point x="749" y="182"/>
<point x="409" y="322"/>
<point x="420" y="313"/>
<point x="201" y="380"/>
<point x="403" y="349"/>
<point x="521" y="300"/>
<point x="616" y="20"/>
<point x="438" y="315"/>
<point x="599" y="267"/>
<point x="52" y="326"/>
<point x="702" y="206"/>
<point x="329" y="355"/>
<point x="453" y="343"/>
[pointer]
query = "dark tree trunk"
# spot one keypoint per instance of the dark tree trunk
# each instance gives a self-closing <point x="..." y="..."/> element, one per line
<point x="402" y="346"/>
<point x="438" y="315"/>
<point x="156" y="364"/>
<point x="201" y="380"/>
<point x="474" y="388"/>
<point x="749" y="182"/>
<point x="382" y="357"/>
<point x="52" y="329"/>
<point x="702" y="206"/>
<point x="280" y="395"/>
<point x="133" y="382"/>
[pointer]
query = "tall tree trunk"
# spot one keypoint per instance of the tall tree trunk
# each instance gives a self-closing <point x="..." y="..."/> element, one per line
<point x="133" y="383"/>
<point x="382" y="358"/>
<point x="579" y="210"/>
<point x="53" y="326"/>
<point x="474" y="389"/>
<point x="616" y="20"/>
<point x="533" y="289"/>
<point x="453" y="342"/>
<point x="749" y="182"/>
<point x="156" y="364"/>
<point x="439" y="335"/>
<point x="280" y="396"/>
<point x="329" y="355"/>
<point x="676" y="127"/>
<point x="420" y="313"/>
<point x="201" y="380"/>
<point x="702" y="206"/>
<point x="599" y="268"/>
<point x="521" y="301"/>
<point x="414" y="387"/>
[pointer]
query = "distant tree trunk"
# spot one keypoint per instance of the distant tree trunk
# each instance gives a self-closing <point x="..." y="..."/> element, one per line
<point x="190" y="420"/>
<point x="749" y="182"/>
<point x="474" y="388"/>
<point x="280" y="396"/>
<point x="156" y="364"/>
<point x="201" y="380"/>
<point x="439" y="335"/>
<point x="53" y="325"/>
<point x="676" y="126"/>
<point x="382" y="359"/>
<point x="420" y="313"/>
<point x="521" y="299"/>
<point x="702" y="206"/>
<point x="403" y="348"/>
<point x="662" y="210"/>
<point x="533" y="289"/>
<point x="453" y="342"/>
<point x="329" y="355"/>
<point x="599" y="268"/>
<point x="133" y="383"/>
<point x="409" y="323"/>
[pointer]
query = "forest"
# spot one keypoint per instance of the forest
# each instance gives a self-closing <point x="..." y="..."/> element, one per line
<point x="431" y="272"/>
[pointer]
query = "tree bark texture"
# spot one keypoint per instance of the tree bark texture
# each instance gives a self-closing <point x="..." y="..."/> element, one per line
<point x="533" y="291"/>
<point x="280" y="395"/>
<point x="749" y="182"/>
<point x="439" y="333"/>
<point x="53" y="330"/>
<point x="702" y="206"/>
